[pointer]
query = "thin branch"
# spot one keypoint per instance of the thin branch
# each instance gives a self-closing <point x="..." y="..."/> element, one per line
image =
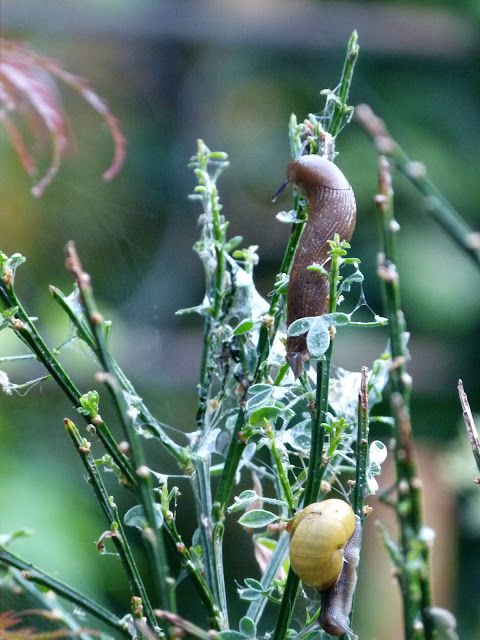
<point x="33" y="574"/>
<point x="436" y="204"/>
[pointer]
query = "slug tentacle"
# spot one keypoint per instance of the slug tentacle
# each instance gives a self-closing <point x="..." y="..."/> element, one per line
<point x="331" y="210"/>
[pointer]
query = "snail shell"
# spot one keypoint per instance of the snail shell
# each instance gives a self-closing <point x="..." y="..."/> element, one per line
<point x="331" y="210"/>
<point x="324" y="552"/>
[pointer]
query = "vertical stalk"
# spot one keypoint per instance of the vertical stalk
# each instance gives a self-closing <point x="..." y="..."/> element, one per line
<point x="211" y="535"/>
<point x="341" y="109"/>
<point x="414" y="571"/>
<point x="362" y="445"/>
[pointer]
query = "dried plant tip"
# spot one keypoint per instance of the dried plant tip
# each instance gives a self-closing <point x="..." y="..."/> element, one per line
<point x="72" y="261"/>
<point x="143" y="471"/>
<point x="105" y="377"/>
<point x="384" y="177"/>
<point x="382" y="201"/>
<point x="8" y="277"/>
<point x="473" y="240"/>
<point x="416" y="169"/>
<point x="375" y="127"/>
<point x="325" y="487"/>
<point x="397" y="363"/>
<point x="96" y="317"/>
<point x="388" y="273"/>
<point x="124" y="447"/>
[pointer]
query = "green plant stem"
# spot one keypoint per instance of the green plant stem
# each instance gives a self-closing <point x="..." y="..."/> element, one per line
<point x="317" y="467"/>
<point x="288" y="604"/>
<point x="152" y="535"/>
<point x="28" y="334"/>
<point x="53" y="605"/>
<point x="214" y="239"/>
<point x="282" y="476"/>
<point x="387" y="271"/>
<point x="109" y="508"/>
<point x="33" y="574"/>
<point x="341" y="109"/>
<point x="227" y="480"/>
<point x="267" y="331"/>
<point x="361" y="458"/>
<point x="414" y="574"/>
<point x="197" y="576"/>
<point x="362" y="446"/>
<point x="437" y="205"/>
<point x="83" y="331"/>
<point x="211" y="537"/>
<point x="235" y="450"/>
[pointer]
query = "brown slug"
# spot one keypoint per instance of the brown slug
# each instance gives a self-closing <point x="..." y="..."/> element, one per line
<point x="331" y="210"/>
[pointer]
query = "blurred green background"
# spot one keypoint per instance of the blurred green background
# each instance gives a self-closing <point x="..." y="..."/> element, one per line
<point x="231" y="72"/>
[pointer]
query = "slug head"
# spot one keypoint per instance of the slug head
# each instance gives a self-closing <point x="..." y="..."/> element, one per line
<point x="312" y="173"/>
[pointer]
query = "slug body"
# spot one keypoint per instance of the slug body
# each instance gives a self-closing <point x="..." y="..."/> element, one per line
<point x="325" y="542"/>
<point x="331" y="210"/>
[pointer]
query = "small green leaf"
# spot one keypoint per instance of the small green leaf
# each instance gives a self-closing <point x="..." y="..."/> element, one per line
<point x="246" y="498"/>
<point x="281" y="283"/>
<point x="249" y="594"/>
<point x="318" y="268"/>
<point x="135" y="517"/>
<point x="243" y="327"/>
<point x="258" y="388"/>
<point x="230" y="635"/>
<point x="233" y="243"/>
<point x="248" y="628"/>
<point x="258" y="416"/>
<point x="253" y="584"/>
<point x="336" y="319"/>
<point x="302" y="325"/>
<point x="257" y="518"/>
<point x="318" y="338"/>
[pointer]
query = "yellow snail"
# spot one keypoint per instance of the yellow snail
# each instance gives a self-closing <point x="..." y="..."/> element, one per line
<point x="324" y="551"/>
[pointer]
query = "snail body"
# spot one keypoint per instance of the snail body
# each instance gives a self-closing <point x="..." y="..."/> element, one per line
<point x="324" y="552"/>
<point x="331" y="210"/>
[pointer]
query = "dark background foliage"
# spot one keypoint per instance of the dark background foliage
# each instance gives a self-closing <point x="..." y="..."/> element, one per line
<point x="231" y="72"/>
